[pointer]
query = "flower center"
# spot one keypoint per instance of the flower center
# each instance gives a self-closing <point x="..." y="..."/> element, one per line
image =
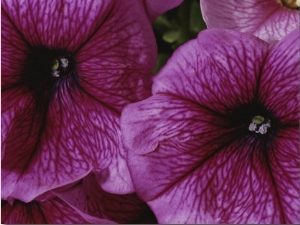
<point x="291" y="4"/>
<point x="253" y="119"/>
<point x="259" y="124"/>
<point x="46" y="69"/>
<point x="59" y="66"/>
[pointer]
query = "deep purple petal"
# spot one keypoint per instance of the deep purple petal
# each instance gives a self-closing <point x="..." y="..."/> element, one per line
<point x="117" y="61"/>
<point x="56" y="24"/>
<point x="266" y="19"/>
<point x="11" y="54"/>
<point x="279" y="84"/>
<point x="53" y="211"/>
<point x="71" y="146"/>
<point x="158" y="7"/>
<point x="91" y="199"/>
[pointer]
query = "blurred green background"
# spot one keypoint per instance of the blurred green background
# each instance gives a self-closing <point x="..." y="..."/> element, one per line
<point x="176" y="27"/>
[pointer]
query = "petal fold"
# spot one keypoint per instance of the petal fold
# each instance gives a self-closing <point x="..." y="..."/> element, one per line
<point x="88" y="197"/>
<point x="52" y="211"/>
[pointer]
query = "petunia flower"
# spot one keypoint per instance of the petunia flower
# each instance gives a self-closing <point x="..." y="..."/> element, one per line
<point x="91" y="199"/>
<point x="52" y="211"/>
<point x="68" y="69"/>
<point x="269" y="20"/>
<point x="218" y="142"/>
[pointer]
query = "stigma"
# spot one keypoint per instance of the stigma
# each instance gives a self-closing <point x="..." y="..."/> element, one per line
<point x="259" y="125"/>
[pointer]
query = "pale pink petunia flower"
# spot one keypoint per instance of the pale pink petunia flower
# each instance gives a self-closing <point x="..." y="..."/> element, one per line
<point x="269" y="20"/>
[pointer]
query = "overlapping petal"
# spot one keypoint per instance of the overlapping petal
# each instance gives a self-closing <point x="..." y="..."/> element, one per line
<point x="52" y="211"/>
<point x="187" y="160"/>
<point x="266" y="19"/>
<point x="88" y="197"/>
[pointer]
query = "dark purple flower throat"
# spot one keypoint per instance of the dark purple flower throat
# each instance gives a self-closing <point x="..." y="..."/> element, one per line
<point x="45" y="69"/>
<point x="253" y="120"/>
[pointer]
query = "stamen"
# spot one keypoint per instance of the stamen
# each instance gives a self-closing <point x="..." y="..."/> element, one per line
<point x="259" y="125"/>
<point x="59" y="65"/>
<point x="55" y="73"/>
<point x="64" y="63"/>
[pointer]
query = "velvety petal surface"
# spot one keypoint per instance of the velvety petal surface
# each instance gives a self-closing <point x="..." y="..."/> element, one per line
<point x="49" y="142"/>
<point x="52" y="211"/>
<point x="266" y="19"/>
<point x="116" y="63"/>
<point x="282" y="68"/>
<point x="187" y="158"/>
<point x="88" y="197"/>
<point x="59" y="24"/>
<point x="279" y="91"/>
<point x="205" y="67"/>
<point x="69" y="148"/>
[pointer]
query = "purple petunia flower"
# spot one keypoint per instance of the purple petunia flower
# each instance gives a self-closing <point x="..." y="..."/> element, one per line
<point x="218" y="142"/>
<point x="267" y="19"/>
<point x="68" y="69"/>
<point x="52" y="211"/>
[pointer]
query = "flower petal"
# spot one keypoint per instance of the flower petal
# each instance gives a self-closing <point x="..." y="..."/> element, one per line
<point x="219" y="76"/>
<point x="152" y="126"/>
<point x="56" y="24"/>
<point x="279" y="85"/>
<point x="192" y="170"/>
<point x="158" y="7"/>
<point x="114" y="54"/>
<point x="79" y="135"/>
<point x="115" y="65"/>
<point x="266" y="19"/>
<point x="53" y="211"/>
<point x="284" y="161"/>
<point x="11" y="54"/>
<point x="88" y="197"/>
